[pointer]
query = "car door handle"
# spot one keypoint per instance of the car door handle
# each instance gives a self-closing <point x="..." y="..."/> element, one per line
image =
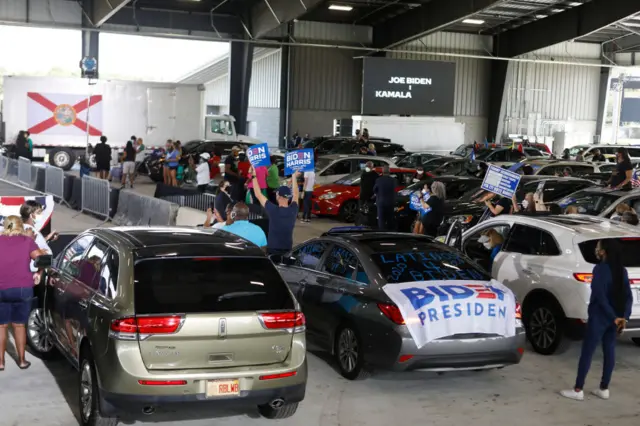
<point x="83" y="304"/>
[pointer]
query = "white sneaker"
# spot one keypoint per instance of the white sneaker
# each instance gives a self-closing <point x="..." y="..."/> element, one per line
<point x="601" y="393"/>
<point x="572" y="394"/>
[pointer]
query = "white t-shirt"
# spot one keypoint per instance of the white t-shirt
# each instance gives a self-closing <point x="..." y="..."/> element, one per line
<point x="310" y="177"/>
<point x="202" y="174"/>
<point x="219" y="225"/>
<point x="41" y="242"/>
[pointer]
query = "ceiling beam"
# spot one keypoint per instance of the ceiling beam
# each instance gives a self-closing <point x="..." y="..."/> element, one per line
<point x="224" y="25"/>
<point x="268" y="15"/>
<point x="102" y="10"/>
<point x="568" y="25"/>
<point x="428" y="18"/>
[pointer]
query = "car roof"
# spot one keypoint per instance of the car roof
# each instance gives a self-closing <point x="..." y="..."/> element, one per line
<point x="152" y="240"/>
<point x="356" y="156"/>
<point x="588" y="227"/>
<point x="616" y="192"/>
<point x="396" y="169"/>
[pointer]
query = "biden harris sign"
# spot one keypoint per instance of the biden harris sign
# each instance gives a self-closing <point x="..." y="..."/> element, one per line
<point x="436" y="309"/>
<point x="259" y="155"/>
<point x="300" y="160"/>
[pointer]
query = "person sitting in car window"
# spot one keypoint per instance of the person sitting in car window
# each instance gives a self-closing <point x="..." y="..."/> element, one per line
<point x="621" y="209"/>
<point x="372" y="150"/>
<point x="502" y="206"/>
<point x="572" y="209"/>
<point x="622" y="176"/>
<point x="597" y="156"/>
<point x="492" y="241"/>
<point x="528" y="205"/>
<point x="630" y="217"/>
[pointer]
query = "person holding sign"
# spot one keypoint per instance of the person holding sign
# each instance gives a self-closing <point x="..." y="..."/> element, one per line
<point x="434" y="208"/>
<point x="282" y="215"/>
<point x="258" y="156"/>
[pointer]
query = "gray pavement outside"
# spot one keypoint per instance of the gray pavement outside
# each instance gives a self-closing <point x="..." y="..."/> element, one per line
<point x="523" y="395"/>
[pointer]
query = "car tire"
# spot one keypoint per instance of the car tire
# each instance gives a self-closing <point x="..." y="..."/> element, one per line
<point x="348" y="211"/>
<point x="349" y="354"/>
<point x="275" y="413"/>
<point x="545" y="325"/>
<point x="39" y="338"/>
<point x="62" y="158"/>
<point x="636" y="340"/>
<point x="89" y="394"/>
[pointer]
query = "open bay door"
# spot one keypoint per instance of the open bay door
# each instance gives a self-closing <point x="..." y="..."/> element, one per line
<point x="161" y="114"/>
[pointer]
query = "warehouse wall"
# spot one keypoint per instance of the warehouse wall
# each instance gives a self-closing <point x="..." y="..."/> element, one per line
<point x="264" y="96"/>
<point x="472" y="75"/>
<point x="540" y="99"/>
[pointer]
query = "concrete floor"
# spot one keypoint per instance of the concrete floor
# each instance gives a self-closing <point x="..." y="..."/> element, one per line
<point x="523" y="395"/>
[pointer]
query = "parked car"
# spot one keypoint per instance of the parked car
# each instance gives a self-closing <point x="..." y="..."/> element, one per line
<point x="329" y="145"/>
<point x="341" y="197"/>
<point x="547" y="262"/>
<point x="602" y="202"/>
<point x="330" y="168"/>
<point x="508" y="155"/>
<point x="557" y="167"/>
<point x="605" y="149"/>
<point x="468" y="210"/>
<point x="161" y="316"/>
<point x="416" y="159"/>
<point x="383" y="149"/>
<point x="339" y="278"/>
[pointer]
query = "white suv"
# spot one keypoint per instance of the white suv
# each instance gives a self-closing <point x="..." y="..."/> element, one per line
<point x="547" y="262"/>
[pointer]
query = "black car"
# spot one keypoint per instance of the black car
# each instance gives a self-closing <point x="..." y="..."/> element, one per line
<point x="415" y="159"/>
<point x="457" y="187"/>
<point x="338" y="145"/>
<point x="468" y="210"/>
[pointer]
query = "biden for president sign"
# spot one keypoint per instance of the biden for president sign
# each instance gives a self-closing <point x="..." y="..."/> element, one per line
<point x="259" y="155"/>
<point x="436" y="309"/>
<point x="298" y="161"/>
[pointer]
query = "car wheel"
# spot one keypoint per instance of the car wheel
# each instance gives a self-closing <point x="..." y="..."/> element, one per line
<point x="277" y="410"/>
<point x="636" y="340"/>
<point x="348" y="211"/>
<point x="62" y="158"/>
<point x="545" y="327"/>
<point x="349" y="353"/>
<point x="38" y="337"/>
<point x="89" y="394"/>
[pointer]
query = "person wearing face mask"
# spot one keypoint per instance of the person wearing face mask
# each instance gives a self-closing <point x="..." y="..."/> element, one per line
<point x="367" y="182"/>
<point x="30" y="212"/>
<point x="434" y="208"/>
<point x="492" y="241"/>
<point x="528" y="205"/>
<point x="609" y="310"/>
<point x="419" y="174"/>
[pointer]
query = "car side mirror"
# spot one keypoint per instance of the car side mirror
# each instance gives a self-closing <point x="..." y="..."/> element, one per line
<point x="43" y="262"/>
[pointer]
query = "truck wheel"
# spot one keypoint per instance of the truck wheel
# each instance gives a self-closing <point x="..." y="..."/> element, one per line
<point x="63" y="158"/>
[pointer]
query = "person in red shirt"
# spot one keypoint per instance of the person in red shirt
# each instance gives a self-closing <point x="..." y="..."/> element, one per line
<point x="214" y="164"/>
<point x="244" y="165"/>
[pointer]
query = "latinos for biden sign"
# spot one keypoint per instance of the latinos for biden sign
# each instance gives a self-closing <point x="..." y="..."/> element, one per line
<point x="436" y="309"/>
<point x="259" y="155"/>
<point x="298" y="161"/>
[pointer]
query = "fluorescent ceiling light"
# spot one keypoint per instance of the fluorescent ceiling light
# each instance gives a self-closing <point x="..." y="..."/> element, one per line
<point x="631" y="24"/>
<point x="541" y="16"/>
<point x="557" y="10"/>
<point x="341" y="8"/>
<point x="575" y="3"/>
<point x="473" y="21"/>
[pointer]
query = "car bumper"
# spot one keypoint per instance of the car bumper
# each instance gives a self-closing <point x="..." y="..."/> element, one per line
<point x="458" y="354"/>
<point x="325" y="207"/>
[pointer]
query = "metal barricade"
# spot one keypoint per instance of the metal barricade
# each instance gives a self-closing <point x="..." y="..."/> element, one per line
<point x="54" y="182"/>
<point x="96" y="194"/>
<point x="24" y="172"/>
<point x="4" y="166"/>
<point x="12" y="168"/>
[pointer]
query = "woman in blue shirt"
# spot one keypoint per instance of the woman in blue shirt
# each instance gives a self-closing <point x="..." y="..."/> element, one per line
<point x="172" y="159"/>
<point x="609" y="309"/>
<point x="492" y="241"/>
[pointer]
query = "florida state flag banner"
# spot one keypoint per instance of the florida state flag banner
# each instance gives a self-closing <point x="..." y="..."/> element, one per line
<point x="64" y="114"/>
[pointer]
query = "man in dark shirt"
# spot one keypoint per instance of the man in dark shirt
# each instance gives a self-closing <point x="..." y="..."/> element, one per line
<point x="597" y="156"/>
<point x="502" y="206"/>
<point x="367" y="182"/>
<point x="623" y="175"/>
<point x="385" y="192"/>
<point x="102" y="153"/>
<point x="282" y="215"/>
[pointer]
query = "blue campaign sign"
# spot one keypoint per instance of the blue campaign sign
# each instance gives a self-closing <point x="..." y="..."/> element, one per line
<point x="417" y="205"/>
<point x="259" y="155"/>
<point x="501" y="181"/>
<point x="300" y="160"/>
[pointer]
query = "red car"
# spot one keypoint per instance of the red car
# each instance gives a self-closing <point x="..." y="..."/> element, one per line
<point x="341" y="197"/>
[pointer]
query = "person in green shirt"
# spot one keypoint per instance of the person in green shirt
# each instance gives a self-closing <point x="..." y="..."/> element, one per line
<point x="139" y="152"/>
<point x="273" y="180"/>
<point x="30" y="144"/>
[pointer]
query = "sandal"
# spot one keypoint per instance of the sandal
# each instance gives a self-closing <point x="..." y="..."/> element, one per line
<point x="26" y="365"/>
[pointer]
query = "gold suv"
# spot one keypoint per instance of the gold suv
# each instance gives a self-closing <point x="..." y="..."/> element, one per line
<point x="164" y="316"/>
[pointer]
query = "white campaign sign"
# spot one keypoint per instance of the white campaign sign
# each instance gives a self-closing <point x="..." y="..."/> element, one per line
<point x="436" y="309"/>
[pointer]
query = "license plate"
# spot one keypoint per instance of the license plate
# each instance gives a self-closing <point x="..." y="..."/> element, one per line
<point x="223" y="388"/>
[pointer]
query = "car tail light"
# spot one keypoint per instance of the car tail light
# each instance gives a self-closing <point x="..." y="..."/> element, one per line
<point x="162" y="382"/>
<point x="405" y="358"/>
<point x="392" y="312"/>
<point x="518" y="311"/>
<point x="278" y="376"/>
<point x="634" y="281"/>
<point x="283" y="320"/>
<point x="583" y="277"/>
<point x="131" y="327"/>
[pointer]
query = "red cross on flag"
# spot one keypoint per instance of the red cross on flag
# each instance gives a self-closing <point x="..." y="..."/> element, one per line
<point x="64" y="114"/>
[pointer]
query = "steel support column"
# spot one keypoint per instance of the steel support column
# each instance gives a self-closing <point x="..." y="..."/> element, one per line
<point x="90" y="39"/>
<point x="240" y="64"/>
<point x="603" y="89"/>
<point x="285" y="96"/>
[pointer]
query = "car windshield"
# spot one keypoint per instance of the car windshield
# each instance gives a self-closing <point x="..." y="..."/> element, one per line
<point x="414" y="259"/>
<point x="322" y="163"/>
<point x="350" y="180"/>
<point x="591" y="203"/>
<point x="574" y="151"/>
<point x="434" y="163"/>
<point x="483" y="153"/>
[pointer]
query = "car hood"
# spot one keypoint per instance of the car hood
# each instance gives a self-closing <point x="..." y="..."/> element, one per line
<point x="336" y="189"/>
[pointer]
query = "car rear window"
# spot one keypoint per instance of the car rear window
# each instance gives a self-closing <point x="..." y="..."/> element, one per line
<point x="413" y="259"/>
<point x="209" y="284"/>
<point x="630" y="250"/>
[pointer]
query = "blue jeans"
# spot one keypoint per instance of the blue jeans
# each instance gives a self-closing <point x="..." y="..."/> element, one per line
<point x="15" y="305"/>
<point x="306" y="214"/>
<point x="598" y="333"/>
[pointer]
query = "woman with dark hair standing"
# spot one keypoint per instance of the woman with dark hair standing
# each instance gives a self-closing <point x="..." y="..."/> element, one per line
<point x="622" y="176"/>
<point x="609" y="309"/>
<point x="22" y="145"/>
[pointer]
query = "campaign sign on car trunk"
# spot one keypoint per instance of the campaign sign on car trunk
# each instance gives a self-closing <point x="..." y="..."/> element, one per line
<point x="436" y="309"/>
<point x="259" y="155"/>
<point x="300" y="160"/>
<point x="501" y="181"/>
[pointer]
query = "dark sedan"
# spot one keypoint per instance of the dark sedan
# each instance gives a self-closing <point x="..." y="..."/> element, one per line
<point x="338" y="279"/>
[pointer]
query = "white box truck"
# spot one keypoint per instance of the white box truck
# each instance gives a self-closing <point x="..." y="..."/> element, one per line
<point x="439" y="135"/>
<point x="64" y="114"/>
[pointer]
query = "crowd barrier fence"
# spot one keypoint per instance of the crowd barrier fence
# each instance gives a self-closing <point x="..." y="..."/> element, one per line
<point x="140" y="210"/>
<point x="4" y="166"/>
<point x="54" y="182"/>
<point x="25" y="175"/>
<point x="95" y="197"/>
